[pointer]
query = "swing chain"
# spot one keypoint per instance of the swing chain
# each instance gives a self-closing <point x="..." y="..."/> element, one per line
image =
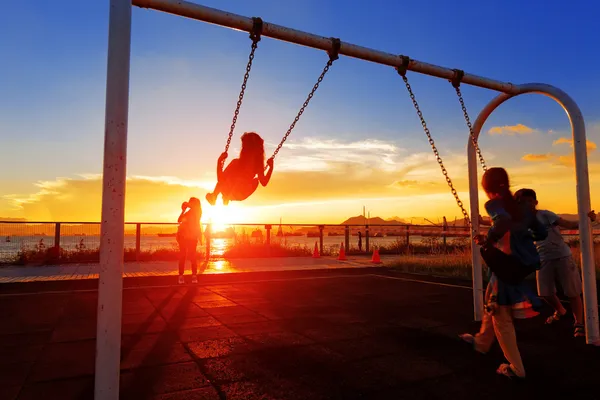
<point x="402" y="71"/>
<point x="333" y="55"/>
<point x="255" y="33"/>
<point x="458" y="75"/>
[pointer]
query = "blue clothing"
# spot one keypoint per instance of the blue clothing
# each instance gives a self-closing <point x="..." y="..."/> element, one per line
<point x="523" y="234"/>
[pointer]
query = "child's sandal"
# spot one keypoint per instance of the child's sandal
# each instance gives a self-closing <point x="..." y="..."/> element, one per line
<point x="553" y="318"/>
<point x="579" y="330"/>
<point x="506" y="370"/>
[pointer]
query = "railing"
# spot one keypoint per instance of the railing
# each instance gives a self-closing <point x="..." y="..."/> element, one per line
<point x="80" y="241"/>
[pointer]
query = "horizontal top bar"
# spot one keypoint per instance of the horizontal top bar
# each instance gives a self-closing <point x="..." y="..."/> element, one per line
<point x="234" y="21"/>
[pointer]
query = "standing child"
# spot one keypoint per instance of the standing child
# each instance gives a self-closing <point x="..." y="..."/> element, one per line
<point x="188" y="233"/>
<point x="557" y="263"/>
<point x="506" y="301"/>
<point x="242" y="176"/>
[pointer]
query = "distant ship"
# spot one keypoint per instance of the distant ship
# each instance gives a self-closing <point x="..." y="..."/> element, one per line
<point x="7" y="240"/>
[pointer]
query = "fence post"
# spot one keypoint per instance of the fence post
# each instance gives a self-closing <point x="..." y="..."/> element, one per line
<point x="138" y="241"/>
<point x="347" y="238"/>
<point x="407" y="239"/>
<point x="268" y="228"/>
<point x="207" y="236"/>
<point x="367" y="238"/>
<point x="321" y="227"/>
<point x="444" y="239"/>
<point x="56" y="240"/>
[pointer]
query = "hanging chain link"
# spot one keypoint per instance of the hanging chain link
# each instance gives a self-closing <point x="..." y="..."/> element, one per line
<point x="468" y="120"/>
<point x="310" y="96"/>
<point x="435" y="150"/>
<point x="255" y="36"/>
<point x="333" y="55"/>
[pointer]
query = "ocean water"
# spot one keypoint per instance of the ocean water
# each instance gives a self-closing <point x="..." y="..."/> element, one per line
<point x="10" y="249"/>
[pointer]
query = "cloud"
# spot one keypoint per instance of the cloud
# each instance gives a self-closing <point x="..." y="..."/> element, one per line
<point x="316" y="171"/>
<point x="538" y="157"/>
<point x="510" y="130"/>
<point x="79" y="199"/>
<point x="563" y="140"/>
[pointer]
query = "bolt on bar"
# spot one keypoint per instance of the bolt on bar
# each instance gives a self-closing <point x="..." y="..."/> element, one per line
<point x="234" y="21"/>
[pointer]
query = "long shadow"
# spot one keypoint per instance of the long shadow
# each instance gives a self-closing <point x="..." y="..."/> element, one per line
<point x="166" y="338"/>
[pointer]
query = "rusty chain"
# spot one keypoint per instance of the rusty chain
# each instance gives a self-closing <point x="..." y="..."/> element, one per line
<point x="255" y="36"/>
<point x="402" y="71"/>
<point x="456" y="84"/>
<point x="333" y="55"/>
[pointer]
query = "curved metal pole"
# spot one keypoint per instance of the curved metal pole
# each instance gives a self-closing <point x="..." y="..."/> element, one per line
<point x="592" y="330"/>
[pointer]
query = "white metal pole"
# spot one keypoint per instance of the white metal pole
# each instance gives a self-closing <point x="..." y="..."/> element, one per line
<point x="110" y="285"/>
<point x="234" y="21"/>
<point x="475" y="256"/>
<point x="590" y="295"/>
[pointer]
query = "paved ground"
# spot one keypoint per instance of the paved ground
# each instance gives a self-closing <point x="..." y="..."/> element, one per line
<point x="321" y="334"/>
<point x="161" y="268"/>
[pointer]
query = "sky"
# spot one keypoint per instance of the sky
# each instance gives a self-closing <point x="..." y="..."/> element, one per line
<point x="359" y="143"/>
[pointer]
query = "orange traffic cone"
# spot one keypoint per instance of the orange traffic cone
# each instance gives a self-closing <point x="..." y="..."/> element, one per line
<point x="376" y="259"/>
<point x="342" y="256"/>
<point x="316" y="253"/>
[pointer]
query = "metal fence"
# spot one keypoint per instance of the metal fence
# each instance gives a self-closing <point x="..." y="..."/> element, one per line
<point x="22" y="242"/>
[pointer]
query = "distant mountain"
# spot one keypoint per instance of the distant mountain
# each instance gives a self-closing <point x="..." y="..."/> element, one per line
<point x="360" y="220"/>
<point x="397" y="219"/>
<point x="13" y="219"/>
<point x="569" y="217"/>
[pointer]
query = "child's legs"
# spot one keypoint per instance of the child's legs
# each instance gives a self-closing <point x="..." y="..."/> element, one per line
<point x="191" y="253"/>
<point x="570" y="280"/>
<point x="485" y="338"/>
<point x="546" y="278"/>
<point x="182" y="254"/>
<point x="230" y="172"/>
<point x="507" y="338"/>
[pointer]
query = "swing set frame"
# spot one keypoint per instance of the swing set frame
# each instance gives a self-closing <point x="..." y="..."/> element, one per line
<point x="110" y="288"/>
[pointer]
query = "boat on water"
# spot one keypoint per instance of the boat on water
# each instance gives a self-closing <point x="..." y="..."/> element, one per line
<point x="166" y="234"/>
<point x="7" y="240"/>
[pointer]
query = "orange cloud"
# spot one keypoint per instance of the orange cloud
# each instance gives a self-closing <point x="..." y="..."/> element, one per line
<point x="537" y="157"/>
<point x="510" y="130"/>
<point x="563" y="140"/>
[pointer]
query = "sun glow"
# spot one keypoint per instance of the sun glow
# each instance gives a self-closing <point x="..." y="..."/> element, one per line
<point x="221" y="216"/>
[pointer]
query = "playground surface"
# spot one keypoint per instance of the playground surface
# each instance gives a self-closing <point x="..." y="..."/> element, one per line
<point x="14" y="274"/>
<point x="343" y="333"/>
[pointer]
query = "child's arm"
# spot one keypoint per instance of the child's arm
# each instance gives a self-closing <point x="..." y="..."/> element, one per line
<point x="220" y="163"/>
<point x="501" y="221"/>
<point x="264" y="179"/>
<point x="184" y="207"/>
<point x="563" y="223"/>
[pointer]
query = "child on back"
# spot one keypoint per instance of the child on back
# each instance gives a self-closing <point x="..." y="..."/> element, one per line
<point x="506" y="301"/>
<point x="242" y="176"/>
<point x="557" y="263"/>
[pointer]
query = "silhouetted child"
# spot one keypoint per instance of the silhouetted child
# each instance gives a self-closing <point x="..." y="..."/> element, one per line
<point x="188" y="233"/>
<point x="242" y="176"/>
<point x="557" y="263"/>
<point x="504" y="301"/>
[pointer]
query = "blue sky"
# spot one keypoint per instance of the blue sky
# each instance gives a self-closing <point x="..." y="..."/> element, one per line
<point x="185" y="77"/>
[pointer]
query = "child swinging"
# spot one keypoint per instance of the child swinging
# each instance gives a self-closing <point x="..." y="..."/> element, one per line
<point x="241" y="177"/>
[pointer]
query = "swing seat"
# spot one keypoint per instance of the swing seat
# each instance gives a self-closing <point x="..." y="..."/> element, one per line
<point x="240" y="190"/>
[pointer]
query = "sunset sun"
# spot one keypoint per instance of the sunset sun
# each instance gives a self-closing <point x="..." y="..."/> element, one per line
<point x="221" y="216"/>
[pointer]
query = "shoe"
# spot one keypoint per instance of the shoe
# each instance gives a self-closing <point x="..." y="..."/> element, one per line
<point x="506" y="370"/>
<point x="195" y="279"/>
<point x="579" y="330"/>
<point x="470" y="339"/>
<point x="181" y="281"/>
<point x="211" y="198"/>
